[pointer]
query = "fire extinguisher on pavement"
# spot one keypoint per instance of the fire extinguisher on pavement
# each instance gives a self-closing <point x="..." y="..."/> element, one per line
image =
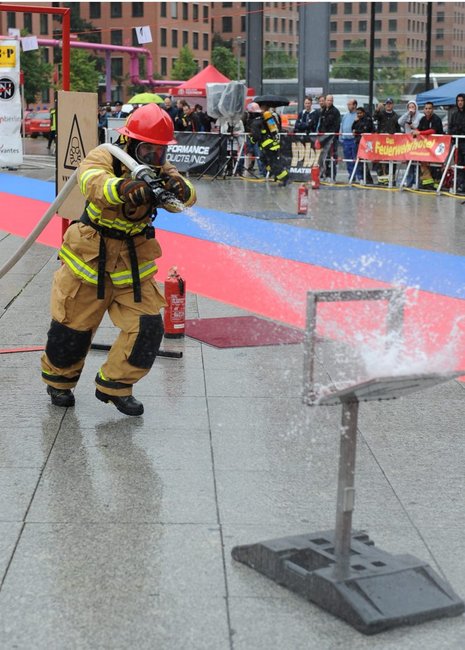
<point x="315" y="172"/>
<point x="174" y="317"/>
<point x="302" y="199"/>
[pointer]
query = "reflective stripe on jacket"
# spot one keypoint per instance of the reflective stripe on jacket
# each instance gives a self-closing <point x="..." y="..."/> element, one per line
<point x="90" y="275"/>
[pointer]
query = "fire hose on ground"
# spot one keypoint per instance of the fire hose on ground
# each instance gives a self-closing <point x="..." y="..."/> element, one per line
<point x="133" y="166"/>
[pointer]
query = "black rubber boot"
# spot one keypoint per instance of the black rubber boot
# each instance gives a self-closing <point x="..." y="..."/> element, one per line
<point x="127" y="405"/>
<point x="61" y="397"/>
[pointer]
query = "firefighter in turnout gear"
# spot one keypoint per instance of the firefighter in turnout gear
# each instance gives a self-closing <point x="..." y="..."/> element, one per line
<point x="108" y="264"/>
<point x="264" y="130"/>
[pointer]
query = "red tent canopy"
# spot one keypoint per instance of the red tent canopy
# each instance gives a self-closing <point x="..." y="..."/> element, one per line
<point x="196" y="87"/>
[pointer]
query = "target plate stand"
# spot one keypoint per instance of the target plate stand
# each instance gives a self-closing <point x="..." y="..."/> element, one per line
<point x="341" y="570"/>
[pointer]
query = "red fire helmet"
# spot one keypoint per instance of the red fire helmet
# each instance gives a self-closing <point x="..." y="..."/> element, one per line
<point x="149" y="123"/>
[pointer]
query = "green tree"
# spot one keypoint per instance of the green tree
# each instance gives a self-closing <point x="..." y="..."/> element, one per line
<point x="185" y="66"/>
<point x="84" y="76"/>
<point x="223" y="59"/>
<point x="36" y="73"/>
<point x="390" y="75"/>
<point x="354" y="63"/>
<point x="219" y="41"/>
<point x="278" y="65"/>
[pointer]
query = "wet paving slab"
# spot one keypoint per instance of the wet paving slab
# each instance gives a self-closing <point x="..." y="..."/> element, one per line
<point x="117" y="532"/>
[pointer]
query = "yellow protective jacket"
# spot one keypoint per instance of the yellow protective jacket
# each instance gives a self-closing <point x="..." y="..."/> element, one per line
<point x="82" y="247"/>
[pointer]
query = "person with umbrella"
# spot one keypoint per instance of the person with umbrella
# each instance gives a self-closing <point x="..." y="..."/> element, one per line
<point x="264" y="130"/>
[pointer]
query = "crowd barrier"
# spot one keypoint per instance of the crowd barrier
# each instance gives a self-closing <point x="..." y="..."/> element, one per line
<point x="405" y="156"/>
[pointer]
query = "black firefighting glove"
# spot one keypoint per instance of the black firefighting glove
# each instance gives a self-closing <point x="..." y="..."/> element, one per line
<point x="135" y="192"/>
<point x="183" y="189"/>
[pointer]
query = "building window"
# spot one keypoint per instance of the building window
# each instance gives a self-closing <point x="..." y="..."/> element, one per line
<point x="97" y="34"/>
<point x="163" y="9"/>
<point x="185" y="38"/>
<point x="440" y="17"/>
<point x="392" y="7"/>
<point x="362" y="25"/>
<point x="205" y="14"/>
<point x="362" y="7"/>
<point x="378" y="7"/>
<point x="275" y="25"/>
<point x="174" y="38"/>
<point x="332" y="45"/>
<point x="227" y="24"/>
<point x="117" y="67"/>
<point x="116" y="10"/>
<point x="185" y="11"/>
<point x="440" y="34"/>
<point x="346" y="45"/>
<point x="163" y="66"/>
<point x="163" y="39"/>
<point x="243" y="24"/>
<point x="10" y="19"/>
<point x="393" y="25"/>
<point x="137" y="9"/>
<point x="195" y="12"/>
<point x="195" y="40"/>
<point x="377" y="43"/>
<point x="27" y="22"/>
<point x="334" y="9"/>
<point x="94" y="10"/>
<point x="267" y="23"/>
<point x="283" y="25"/>
<point x="378" y="25"/>
<point x="174" y="9"/>
<point x="291" y="27"/>
<point x="227" y="4"/>
<point x="392" y="44"/>
<point x="439" y="50"/>
<point x="116" y="36"/>
<point x="333" y="26"/>
<point x="205" y="41"/>
<point x="347" y="8"/>
<point x="43" y="24"/>
<point x="45" y="55"/>
<point x="347" y="26"/>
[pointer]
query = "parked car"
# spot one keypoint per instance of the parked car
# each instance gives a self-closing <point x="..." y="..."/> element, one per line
<point x="36" y="123"/>
<point x="288" y="115"/>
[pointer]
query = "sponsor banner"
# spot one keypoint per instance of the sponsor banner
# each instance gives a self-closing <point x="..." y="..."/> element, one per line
<point x="198" y="153"/>
<point x="404" y="147"/>
<point x="11" y="146"/>
<point x="300" y="155"/>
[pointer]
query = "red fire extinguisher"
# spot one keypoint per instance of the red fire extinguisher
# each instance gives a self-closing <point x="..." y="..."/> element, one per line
<point x="302" y="199"/>
<point x="174" y="317"/>
<point x="315" y="172"/>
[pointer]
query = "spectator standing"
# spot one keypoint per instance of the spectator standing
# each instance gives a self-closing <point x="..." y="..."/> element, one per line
<point x="202" y="121"/>
<point x="307" y="119"/>
<point x="430" y="123"/>
<point x="388" y="122"/>
<point x="253" y="150"/>
<point x="362" y="124"/>
<point x="118" y="112"/>
<point x="347" y="137"/>
<point x="409" y="121"/>
<point x="457" y="127"/>
<point x="102" y="124"/>
<point x="184" y="121"/>
<point x="330" y="122"/>
<point x="53" y="127"/>
<point x="169" y="108"/>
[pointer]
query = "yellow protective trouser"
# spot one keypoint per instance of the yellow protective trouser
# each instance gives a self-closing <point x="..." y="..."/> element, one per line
<point x="76" y="315"/>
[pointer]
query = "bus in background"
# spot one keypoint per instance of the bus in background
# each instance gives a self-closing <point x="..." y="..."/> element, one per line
<point x="417" y="82"/>
<point x="290" y="87"/>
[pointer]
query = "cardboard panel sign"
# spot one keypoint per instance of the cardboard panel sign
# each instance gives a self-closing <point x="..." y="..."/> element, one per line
<point x="76" y="136"/>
